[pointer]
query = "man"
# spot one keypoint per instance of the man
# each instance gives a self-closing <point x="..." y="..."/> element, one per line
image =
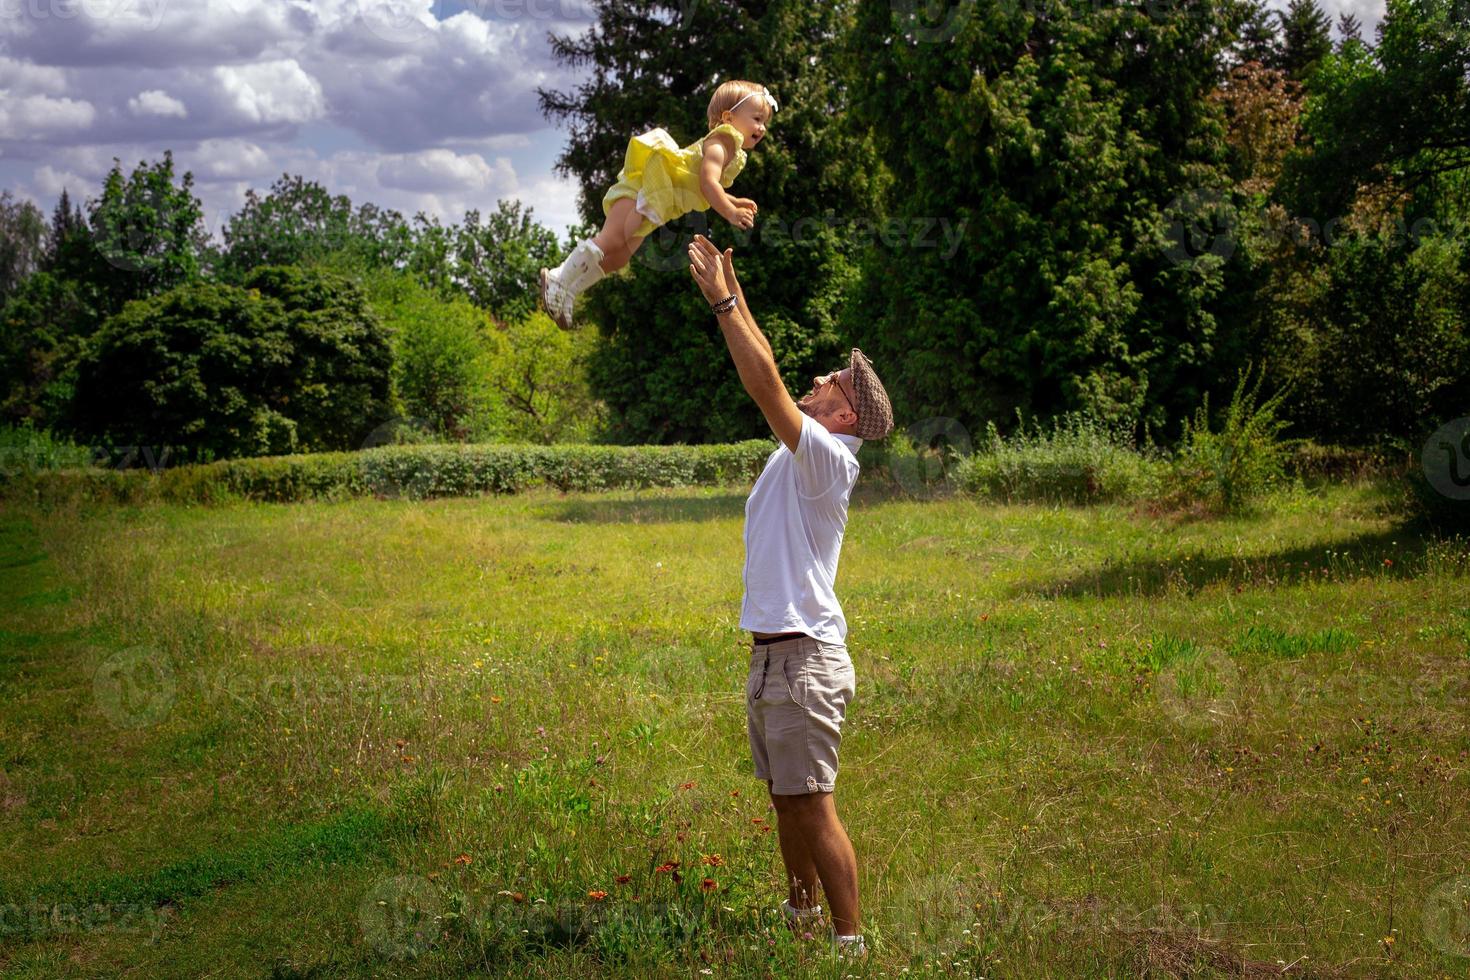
<point x="801" y="677"/>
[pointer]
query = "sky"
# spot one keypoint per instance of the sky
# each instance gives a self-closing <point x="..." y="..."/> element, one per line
<point x="415" y="105"/>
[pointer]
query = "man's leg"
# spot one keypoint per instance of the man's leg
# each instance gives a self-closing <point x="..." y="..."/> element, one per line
<point x="820" y="843"/>
<point x="801" y="872"/>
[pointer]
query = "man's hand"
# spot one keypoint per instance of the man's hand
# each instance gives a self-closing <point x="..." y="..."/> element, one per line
<point x="708" y="267"/>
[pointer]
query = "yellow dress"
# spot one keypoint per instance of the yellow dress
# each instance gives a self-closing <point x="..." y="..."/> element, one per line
<point x="663" y="178"/>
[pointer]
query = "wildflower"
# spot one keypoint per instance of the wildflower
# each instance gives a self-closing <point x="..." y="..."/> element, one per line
<point x="494" y="699"/>
<point x="708" y="885"/>
<point x="541" y="730"/>
<point x="714" y="860"/>
<point x="623" y="879"/>
<point x="597" y="895"/>
<point x="667" y="866"/>
<point x="734" y="792"/>
<point x="757" y="819"/>
<point x="681" y="836"/>
<point x="688" y="785"/>
<point x="462" y="859"/>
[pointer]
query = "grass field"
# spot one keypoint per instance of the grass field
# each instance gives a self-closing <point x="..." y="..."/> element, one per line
<point x="471" y="736"/>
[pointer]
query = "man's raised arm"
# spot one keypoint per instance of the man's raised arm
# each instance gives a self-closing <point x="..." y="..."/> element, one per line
<point x="748" y="346"/>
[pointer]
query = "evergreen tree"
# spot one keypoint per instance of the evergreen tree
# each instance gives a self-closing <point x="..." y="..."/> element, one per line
<point x="663" y="368"/>
<point x="1259" y="39"/>
<point x="1349" y="28"/>
<point x="1066" y="148"/>
<point x="1306" y="34"/>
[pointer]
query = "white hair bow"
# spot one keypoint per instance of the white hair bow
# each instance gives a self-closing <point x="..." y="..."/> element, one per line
<point x="764" y="93"/>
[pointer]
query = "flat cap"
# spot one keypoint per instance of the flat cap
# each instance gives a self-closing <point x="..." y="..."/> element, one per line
<point x="875" y="414"/>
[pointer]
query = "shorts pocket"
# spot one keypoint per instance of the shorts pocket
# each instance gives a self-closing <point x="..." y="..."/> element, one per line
<point x="797" y="687"/>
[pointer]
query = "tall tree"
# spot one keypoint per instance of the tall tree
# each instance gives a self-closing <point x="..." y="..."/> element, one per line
<point x="22" y="242"/>
<point x="1306" y="34"/>
<point x="1399" y="111"/>
<point x="1349" y="28"/>
<point x="1065" y="147"/>
<point x="68" y="226"/>
<point x="1259" y="38"/>
<point x="299" y="221"/>
<point x="662" y="367"/>
<point x="494" y="261"/>
<point x="147" y="236"/>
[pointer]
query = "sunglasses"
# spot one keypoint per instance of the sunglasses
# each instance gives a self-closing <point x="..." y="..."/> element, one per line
<point x="836" y="378"/>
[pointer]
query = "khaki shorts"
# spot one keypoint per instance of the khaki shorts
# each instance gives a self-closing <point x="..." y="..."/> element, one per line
<point x="796" y="698"/>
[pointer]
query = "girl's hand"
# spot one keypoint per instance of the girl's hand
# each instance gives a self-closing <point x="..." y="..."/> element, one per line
<point x="745" y="203"/>
<point x="743" y="217"/>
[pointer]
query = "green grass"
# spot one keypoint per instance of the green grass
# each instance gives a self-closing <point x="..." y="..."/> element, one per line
<point x="386" y="738"/>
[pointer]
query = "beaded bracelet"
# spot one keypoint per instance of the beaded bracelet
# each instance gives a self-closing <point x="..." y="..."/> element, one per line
<point x="724" y="306"/>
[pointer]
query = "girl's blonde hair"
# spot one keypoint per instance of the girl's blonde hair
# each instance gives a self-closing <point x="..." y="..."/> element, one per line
<point x="729" y="95"/>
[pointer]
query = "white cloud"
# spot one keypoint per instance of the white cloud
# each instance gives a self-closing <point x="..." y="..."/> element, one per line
<point x="28" y="117"/>
<point x="230" y="160"/>
<point x="50" y="182"/>
<point x="436" y="170"/>
<point x="156" y="102"/>
<point x="272" y="92"/>
<point x="31" y="78"/>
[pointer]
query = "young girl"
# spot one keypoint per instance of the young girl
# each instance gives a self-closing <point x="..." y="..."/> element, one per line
<point x="661" y="181"/>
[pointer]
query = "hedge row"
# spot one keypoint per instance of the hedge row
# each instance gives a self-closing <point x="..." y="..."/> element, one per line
<point x="414" y="472"/>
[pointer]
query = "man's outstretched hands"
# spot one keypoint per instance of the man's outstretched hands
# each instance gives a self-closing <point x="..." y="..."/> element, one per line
<point x="715" y="273"/>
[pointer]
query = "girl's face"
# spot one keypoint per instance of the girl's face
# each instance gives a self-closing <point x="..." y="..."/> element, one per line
<point x="750" y="117"/>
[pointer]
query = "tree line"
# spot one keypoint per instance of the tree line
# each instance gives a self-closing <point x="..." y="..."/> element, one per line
<point x="1021" y="209"/>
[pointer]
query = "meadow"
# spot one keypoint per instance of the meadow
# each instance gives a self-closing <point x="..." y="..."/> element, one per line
<point x="504" y="736"/>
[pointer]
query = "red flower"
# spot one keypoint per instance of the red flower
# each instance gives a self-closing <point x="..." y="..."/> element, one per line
<point x="667" y="866"/>
<point x="597" y="896"/>
<point x="688" y="785"/>
<point x="624" y="879"/>
<point x="713" y="860"/>
<point x="708" y="885"/>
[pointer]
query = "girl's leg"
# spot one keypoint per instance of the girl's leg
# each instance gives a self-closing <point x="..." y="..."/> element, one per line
<point x="619" y="237"/>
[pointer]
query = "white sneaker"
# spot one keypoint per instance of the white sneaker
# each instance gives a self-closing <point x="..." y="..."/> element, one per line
<point x="849" y="947"/>
<point x="798" y="917"/>
<point x="556" y="301"/>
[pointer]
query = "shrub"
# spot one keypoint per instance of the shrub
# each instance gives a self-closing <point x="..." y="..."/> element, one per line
<point x="1077" y="459"/>
<point x="24" y="449"/>
<point x="441" y="363"/>
<point x="414" y="472"/>
<point x="1226" y="470"/>
<point x="295" y="361"/>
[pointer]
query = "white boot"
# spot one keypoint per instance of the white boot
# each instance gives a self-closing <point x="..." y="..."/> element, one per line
<point x="555" y="299"/>
<point x="584" y="268"/>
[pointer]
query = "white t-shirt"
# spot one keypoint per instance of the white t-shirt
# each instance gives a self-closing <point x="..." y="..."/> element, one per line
<point x="794" y="522"/>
